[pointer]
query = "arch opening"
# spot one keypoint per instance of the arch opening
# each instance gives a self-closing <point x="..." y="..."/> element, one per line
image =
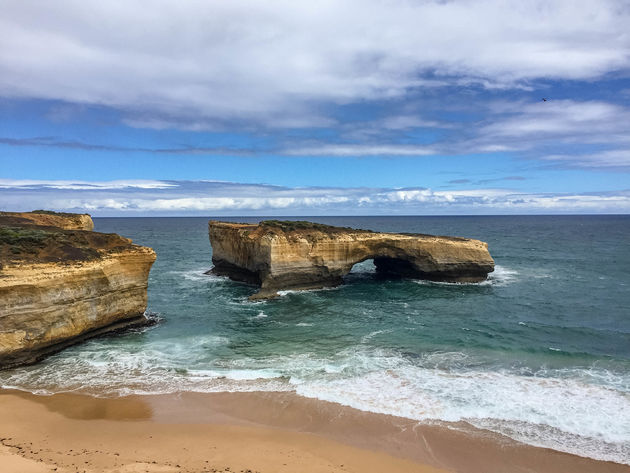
<point x="395" y="268"/>
<point x="381" y="267"/>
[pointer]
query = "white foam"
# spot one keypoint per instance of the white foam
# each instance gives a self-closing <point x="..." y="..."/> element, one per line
<point x="580" y="411"/>
<point x="155" y="370"/>
<point x="236" y="375"/>
<point x="373" y="334"/>
<point x="564" y="413"/>
<point x="244" y="301"/>
<point x="198" y="275"/>
<point x="501" y="276"/>
<point x="287" y="292"/>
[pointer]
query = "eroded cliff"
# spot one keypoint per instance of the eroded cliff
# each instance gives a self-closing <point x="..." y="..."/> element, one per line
<point x="47" y="218"/>
<point x="301" y="255"/>
<point x="59" y="287"/>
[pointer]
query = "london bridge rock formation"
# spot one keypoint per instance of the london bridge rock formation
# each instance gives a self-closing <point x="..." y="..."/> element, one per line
<point x="61" y="283"/>
<point x="278" y="255"/>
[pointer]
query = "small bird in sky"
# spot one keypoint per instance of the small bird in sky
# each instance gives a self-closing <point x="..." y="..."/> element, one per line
<point x="544" y="99"/>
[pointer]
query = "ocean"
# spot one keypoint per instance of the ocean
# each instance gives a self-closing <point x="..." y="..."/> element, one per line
<point x="540" y="352"/>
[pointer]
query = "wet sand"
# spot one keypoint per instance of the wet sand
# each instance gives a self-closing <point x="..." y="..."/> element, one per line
<point x="241" y="432"/>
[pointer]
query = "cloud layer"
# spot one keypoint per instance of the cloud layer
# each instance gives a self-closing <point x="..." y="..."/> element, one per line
<point x="198" y="64"/>
<point x="195" y="88"/>
<point x="228" y="198"/>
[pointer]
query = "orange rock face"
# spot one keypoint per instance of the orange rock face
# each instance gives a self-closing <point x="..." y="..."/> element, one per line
<point x="58" y="287"/>
<point x="301" y="255"/>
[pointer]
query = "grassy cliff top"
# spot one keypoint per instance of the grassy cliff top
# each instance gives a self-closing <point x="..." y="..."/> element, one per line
<point x="52" y="212"/>
<point x="36" y="244"/>
<point x="303" y="225"/>
<point x="47" y="218"/>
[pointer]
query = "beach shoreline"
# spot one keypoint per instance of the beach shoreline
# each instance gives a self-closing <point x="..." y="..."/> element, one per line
<point x="257" y="431"/>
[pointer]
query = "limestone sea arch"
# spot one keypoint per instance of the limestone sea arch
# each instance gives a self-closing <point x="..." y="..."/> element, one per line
<point x="279" y="255"/>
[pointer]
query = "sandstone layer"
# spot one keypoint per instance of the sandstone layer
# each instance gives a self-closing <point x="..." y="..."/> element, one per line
<point x="46" y="218"/>
<point x="302" y="255"/>
<point x="59" y="287"/>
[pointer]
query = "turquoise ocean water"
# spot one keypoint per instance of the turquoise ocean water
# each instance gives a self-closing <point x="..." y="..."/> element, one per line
<point x="540" y="352"/>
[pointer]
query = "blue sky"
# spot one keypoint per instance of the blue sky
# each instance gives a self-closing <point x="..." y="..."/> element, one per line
<point x="370" y="107"/>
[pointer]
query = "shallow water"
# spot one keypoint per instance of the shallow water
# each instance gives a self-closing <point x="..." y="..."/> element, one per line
<point x="540" y="352"/>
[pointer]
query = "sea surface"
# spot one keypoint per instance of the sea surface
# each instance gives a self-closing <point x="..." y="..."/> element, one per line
<point x="540" y="352"/>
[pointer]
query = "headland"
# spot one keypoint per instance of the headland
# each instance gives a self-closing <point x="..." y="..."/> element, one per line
<point x="61" y="283"/>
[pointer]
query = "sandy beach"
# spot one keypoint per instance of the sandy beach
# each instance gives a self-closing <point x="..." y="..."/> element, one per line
<point x="258" y="432"/>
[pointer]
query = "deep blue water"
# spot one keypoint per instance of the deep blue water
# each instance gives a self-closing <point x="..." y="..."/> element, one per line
<point x="540" y="352"/>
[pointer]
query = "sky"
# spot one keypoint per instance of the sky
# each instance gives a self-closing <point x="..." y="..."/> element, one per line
<point x="355" y="107"/>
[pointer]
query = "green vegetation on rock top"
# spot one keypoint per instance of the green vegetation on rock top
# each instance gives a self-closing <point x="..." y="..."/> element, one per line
<point x="22" y="236"/>
<point x="18" y="242"/>
<point x="295" y="225"/>
<point x="32" y="244"/>
<point x="52" y="212"/>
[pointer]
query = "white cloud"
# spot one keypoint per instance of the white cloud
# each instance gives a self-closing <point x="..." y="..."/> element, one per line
<point x="360" y="150"/>
<point x="197" y="62"/>
<point x="217" y="198"/>
<point x="404" y="122"/>
<point x="565" y="131"/>
<point x="83" y="185"/>
<point x="617" y="158"/>
<point x="563" y="118"/>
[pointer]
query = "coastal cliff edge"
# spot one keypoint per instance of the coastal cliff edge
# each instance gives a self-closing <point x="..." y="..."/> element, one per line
<point x="61" y="283"/>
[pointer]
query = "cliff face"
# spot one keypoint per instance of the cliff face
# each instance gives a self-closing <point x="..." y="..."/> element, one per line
<point x="59" y="287"/>
<point x="65" y="221"/>
<point x="301" y="255"/>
